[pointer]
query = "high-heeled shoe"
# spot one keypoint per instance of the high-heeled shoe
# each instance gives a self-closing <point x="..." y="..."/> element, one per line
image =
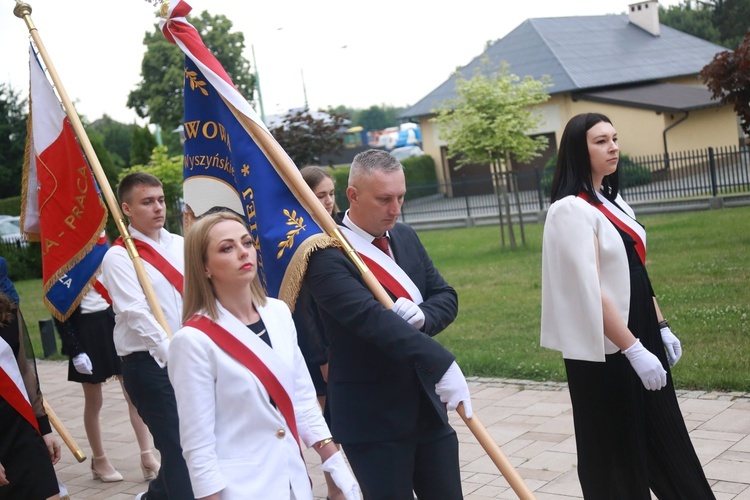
<point x="105" y="478"/>
<point x="148" y="472"/>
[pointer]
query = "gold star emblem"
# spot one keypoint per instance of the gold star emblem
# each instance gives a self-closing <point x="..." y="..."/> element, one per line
<point x="245" y="170"/>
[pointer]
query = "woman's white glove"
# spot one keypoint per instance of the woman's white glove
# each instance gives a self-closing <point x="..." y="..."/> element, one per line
<point x="672" y="345"/>
<point x="342" y="476"/>
<point x="409" y="311"/>
<point x="453" y="389"/>
<point x="647" y="366"/>
<point x="82" y="364"/>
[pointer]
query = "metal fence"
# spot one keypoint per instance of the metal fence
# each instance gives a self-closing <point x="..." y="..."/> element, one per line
<point x="708" y="173"/>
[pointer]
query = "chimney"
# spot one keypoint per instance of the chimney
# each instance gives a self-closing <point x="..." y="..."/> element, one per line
<point x="645" y="15"/>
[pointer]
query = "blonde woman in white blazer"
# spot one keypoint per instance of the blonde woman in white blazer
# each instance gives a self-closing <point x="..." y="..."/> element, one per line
<point x="599" y="310"/>
<point x="237" y="440"/>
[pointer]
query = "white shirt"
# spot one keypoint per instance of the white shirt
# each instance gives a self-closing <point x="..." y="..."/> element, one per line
<point x="362" y="233"/>
<point x="136" y="328"/>
<point x="93" y="302"/>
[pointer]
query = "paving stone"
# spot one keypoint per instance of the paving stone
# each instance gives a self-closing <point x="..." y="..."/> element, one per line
<point x="531" y="421"/>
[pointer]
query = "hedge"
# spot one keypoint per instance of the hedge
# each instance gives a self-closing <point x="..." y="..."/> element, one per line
<point x="631" y="174"/>
<point x="10" y="206"/>
<point x="419" y="171"/>
<point x="24" y="260"/>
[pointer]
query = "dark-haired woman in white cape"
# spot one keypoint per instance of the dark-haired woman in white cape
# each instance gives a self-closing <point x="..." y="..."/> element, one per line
<point x="599" y="309"/>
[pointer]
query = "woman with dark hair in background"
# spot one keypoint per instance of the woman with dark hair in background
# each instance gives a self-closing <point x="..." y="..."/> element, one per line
<point x="311" y="336"/>
<point x="599" y="309"/>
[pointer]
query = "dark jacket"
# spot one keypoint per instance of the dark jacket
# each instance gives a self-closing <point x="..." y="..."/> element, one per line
<point x="380" y="367"/>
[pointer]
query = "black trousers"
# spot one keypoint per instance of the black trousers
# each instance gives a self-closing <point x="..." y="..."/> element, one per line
<point x="153" y="396"/>
<point x="424" y="463"/>
<point x="630" y="439"/>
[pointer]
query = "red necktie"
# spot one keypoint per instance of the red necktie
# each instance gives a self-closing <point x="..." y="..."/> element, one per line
<point x="382" y="243"/>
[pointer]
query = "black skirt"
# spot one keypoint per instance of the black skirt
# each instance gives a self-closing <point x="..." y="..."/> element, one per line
<point x="95" y="336"/>
<point x="24" y="455"/>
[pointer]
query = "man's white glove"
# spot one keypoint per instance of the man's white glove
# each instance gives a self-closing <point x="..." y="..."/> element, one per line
<point x="672" y="345"/>
<point x="453" y="389"/>
<point x="82" y="364"/>
<point x="647" y="366"/>
<point x="342" y="476"/>
<point x="409" y="311"/>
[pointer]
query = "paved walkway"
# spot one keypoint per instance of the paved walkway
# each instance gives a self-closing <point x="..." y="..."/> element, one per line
<point x="531" y="421"/>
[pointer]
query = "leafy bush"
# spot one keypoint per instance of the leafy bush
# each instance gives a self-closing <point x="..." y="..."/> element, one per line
<point x="10" y="206"/>
<point x="421" y="179"/>
<point x="24" y="262"/>
<point x="631" y="174"/>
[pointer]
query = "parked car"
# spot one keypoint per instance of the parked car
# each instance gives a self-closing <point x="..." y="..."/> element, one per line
<point x="10" y="230"/>
<point x="407" y="152"/>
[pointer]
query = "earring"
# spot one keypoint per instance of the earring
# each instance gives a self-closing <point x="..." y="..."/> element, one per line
<point x="208" y="275"/>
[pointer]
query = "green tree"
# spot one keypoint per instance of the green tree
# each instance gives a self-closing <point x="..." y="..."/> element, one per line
<point x="306" y="138"/>
<point x="13" y="113"/>
<point x="158" y="96"/>
<point x="732" y="18"/>
<point x="488" y="123"/>
<point x="117" y="138"/>
<point x="723" y="22"/>
<point x="142" y="145"/>
<point x="728" y="78"/>
<point x="102" y="153"/>
<point x="373" y="118"/>
<point x="696" y="21"/>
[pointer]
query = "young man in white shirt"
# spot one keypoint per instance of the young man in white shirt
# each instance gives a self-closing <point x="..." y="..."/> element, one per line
<point x="140" y="341"/>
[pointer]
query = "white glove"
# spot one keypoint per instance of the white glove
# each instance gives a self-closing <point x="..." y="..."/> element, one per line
<point x="342" y="476"/>
<point x="409" y="311"/>
<point x="647" y="366"/>
<point x="672" y="345"/>
<point x="82" y="364"/>
<point x="453" y="389"/>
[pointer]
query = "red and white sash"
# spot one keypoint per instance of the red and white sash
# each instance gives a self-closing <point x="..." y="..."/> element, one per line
<point x="12" y="389"/>
<point x="385" y="269"/>
<point x="250" y="360"/>
<point x="156" y="259"/>
<point x="623" y="221"/>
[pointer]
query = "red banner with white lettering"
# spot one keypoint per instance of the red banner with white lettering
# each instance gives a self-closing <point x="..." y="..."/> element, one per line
<point x="61" y="207"/>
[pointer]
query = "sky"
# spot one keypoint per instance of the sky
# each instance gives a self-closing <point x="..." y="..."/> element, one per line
<point x="328" y="53"/>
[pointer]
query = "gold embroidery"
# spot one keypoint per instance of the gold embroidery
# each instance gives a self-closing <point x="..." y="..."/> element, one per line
<point x="298" y="223"/>
<point x="195" y="83"/>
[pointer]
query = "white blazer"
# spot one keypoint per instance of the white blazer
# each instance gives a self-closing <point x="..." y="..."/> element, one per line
<point x="233" y="440"/>
<point x="572" y="317"/>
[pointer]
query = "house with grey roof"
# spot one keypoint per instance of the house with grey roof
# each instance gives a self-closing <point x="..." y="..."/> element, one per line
<point x="642" y="74"/>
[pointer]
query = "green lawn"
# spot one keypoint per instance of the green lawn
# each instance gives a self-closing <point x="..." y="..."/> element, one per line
<point x="699" y="264"/>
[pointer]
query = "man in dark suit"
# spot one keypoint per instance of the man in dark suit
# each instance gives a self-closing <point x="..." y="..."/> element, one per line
<point x="389" y="381"/>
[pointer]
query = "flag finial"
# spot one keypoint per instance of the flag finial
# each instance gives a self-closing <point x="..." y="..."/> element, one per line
<point x="22" y="9"/>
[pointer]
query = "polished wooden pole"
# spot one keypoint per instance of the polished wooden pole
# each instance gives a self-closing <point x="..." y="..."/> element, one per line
<point x="23" y="11"/>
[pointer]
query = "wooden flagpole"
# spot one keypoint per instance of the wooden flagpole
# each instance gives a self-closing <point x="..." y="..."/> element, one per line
<point x="293" y="179"/>
<point x="23" y="11"/>
<point x="63" y="432"/>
